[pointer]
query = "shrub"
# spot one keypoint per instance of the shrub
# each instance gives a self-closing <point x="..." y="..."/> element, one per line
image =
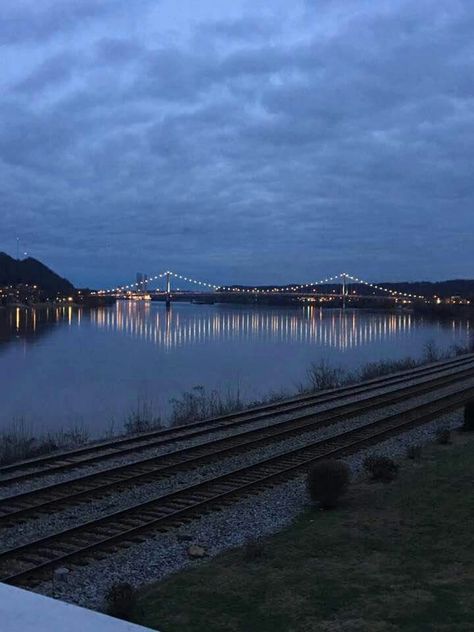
<point x="372" y="370"/>
<point x="327" y="482"/>
<point x="381" y="468"/>
<point x="414" y="452"/>
<point x="198" y="403"/>
<point x="121" y="601"/>
<point x="19" y="441"/>
<point x="142" y="419"/>
<point x="443" y="436"/>
<point x="253" y="550"/>
<point x="468" y="425"/>
<point x="323" y="376"/>
<point x="430" y="352"/>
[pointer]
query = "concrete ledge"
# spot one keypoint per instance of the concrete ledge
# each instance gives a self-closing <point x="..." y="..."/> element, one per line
<point x="24" y="611"/>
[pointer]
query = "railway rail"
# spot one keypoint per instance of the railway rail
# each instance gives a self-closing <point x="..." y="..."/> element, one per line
<point x="31" y="563"/>
<point x="94" y="453"/>
<point x="57" y="496"/>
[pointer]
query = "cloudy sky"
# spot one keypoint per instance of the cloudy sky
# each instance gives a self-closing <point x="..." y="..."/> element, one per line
<point x="244" y="141"/>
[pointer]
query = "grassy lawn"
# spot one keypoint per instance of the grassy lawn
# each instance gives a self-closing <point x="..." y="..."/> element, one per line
<point x="392" y="557"/>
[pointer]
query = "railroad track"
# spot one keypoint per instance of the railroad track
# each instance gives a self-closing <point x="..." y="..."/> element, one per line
<point x="87" y="488"/>
<point x="31" y="563"/>
<point x="94" y="453"/>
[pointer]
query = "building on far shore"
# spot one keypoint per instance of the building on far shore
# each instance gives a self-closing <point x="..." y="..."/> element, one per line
<point x="22" y="293"/>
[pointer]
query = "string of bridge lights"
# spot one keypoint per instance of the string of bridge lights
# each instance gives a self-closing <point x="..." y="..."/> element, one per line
<point x="383" y="289"/>
<point x="183" y="278"/>
<point x="131" y="286"/>
<point x="289" y="288"/>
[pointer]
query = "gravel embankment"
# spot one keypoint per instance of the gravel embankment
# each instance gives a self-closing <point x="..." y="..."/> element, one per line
<point x="252" y="517"/>
<point x="15" y="488"/>
<point x="52" y="522"/>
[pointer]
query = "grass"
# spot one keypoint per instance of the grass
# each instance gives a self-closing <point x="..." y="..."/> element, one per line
<point x="395" y="557"/>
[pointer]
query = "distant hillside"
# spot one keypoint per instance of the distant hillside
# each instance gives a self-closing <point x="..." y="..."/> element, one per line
<point x="443" y="289"/>
<point x="33" y="272"/>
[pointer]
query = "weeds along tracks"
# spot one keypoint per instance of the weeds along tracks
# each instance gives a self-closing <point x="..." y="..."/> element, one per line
<point x="95" y="453"/>
<point x="95" y="486"/>
<point x="31" y="563"/>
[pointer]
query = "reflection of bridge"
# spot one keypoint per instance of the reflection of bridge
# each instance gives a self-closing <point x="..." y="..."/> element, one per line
<point x="182" y="327"/>
<point x="343" y="287"/>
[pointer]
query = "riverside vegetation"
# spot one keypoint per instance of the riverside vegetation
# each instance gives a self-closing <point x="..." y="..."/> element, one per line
<point x="18" y="442"/>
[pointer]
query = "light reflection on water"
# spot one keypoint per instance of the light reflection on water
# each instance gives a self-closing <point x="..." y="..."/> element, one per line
<point x="169" y="329"/>
<point x="68" y="365"/>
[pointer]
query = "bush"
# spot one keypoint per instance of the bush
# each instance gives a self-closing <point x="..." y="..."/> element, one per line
<point x="198" y="404"/>
<point x="414" y="452"/>
<point x="468" y="425"/>
<point x="323" y="376"/>
<point x="121" y="601"/>
<point x="443" y="436"/>
<point x="372" y="370"/>
<point x="430" y="352"/>
<point x="142" y="419"/>
<point x="19" y="441"/>
<point x="381" y="468"/>
<point x="327" y="482"/>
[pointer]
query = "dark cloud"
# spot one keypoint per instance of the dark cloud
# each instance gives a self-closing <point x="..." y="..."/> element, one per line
<point x="29" y="22"/>
<point x="55" y="70"/>
<point x="242" y="29"/>
<point x="37" y="21"/>
<point x="110" y="50"/>
<point x="249" y="148"/>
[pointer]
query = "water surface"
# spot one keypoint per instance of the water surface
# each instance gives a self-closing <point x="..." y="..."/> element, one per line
<point x="69" y="366"/>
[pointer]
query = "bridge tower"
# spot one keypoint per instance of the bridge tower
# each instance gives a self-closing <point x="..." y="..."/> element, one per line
<point x="168" y="290"/>
<point x="344" y="290"/>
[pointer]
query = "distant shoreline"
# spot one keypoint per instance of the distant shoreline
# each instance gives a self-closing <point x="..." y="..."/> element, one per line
<point x="441" y="311"/>
<point x="12" y="306"/>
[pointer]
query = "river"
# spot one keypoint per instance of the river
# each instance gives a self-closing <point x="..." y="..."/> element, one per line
<point x="69" y="367"/>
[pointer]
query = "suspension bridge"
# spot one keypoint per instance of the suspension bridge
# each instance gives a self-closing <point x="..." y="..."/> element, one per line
<point x="343" y="287"/>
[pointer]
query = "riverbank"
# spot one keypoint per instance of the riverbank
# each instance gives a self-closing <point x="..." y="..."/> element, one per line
<point x="391" y="558"/>
<point x="19" y="442"/>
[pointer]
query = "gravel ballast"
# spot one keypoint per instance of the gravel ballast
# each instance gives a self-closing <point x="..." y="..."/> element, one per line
<point x="249" y="518"/>
<point x="50" y="523"/>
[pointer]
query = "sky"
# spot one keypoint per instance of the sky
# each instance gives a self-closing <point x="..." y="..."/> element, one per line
<point x="238" y="142"/>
